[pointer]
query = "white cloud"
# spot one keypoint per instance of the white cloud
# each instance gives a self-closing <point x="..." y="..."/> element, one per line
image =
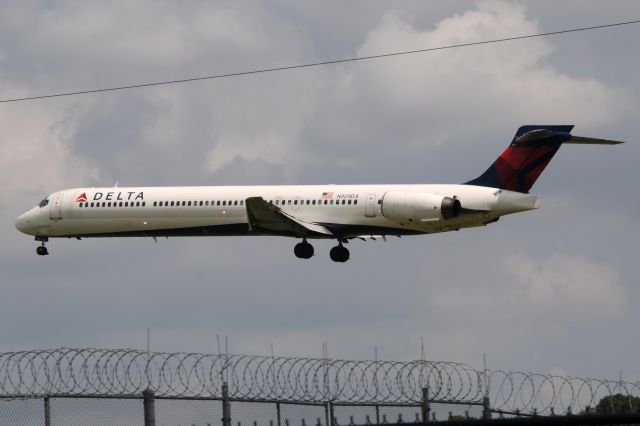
<point x="37" y="156"/>
<point x="448" y="95"/>
<point x="569" y="287"/>
<point x="555" y="293"/>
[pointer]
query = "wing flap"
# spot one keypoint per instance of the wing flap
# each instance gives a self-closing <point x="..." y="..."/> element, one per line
<point x="264" y="216"/>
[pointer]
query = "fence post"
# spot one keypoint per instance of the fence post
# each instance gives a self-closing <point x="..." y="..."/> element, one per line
<point x="486" y="408"/>
<point x="226" y="405"/>
<point x="47" y="412"/>
<point x="149" y="407"/>
<point x="328" y="414"/>
<point x="426" y="408"/>
<point x="279" y="413"/>
<point x="377" y="414"/>
<point x="332" y="420"/>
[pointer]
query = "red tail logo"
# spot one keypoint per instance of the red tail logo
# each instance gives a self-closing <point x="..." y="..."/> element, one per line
<point x="82" y="198"/>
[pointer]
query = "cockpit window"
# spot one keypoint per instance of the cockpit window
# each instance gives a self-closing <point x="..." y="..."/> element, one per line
<point x="43" y="203"/>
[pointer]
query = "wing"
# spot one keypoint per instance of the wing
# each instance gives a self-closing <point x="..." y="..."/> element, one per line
<point x="267" y="218"/>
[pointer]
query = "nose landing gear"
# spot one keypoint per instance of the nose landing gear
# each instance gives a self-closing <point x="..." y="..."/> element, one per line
<point x="42" y="250"/>
<point x="339" y="253"/>
<point x="303" y="250"/>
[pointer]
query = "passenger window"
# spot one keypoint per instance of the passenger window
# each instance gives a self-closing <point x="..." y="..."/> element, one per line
<point x="109" y="204"/>
<point x="313" y="202"/>
<point x="295" y="202"/>
<point x="325" y="202"/>
<point x="242" y="202"/>
<point x="144" y="203"/>
<point x="288" y="202"/>
<point x="126" y="204"/>
<point x="120" y="204"/>
<point x="217" y="203"/>
<point x="355" y="202"/>
<point x="154" y="203"/>
<point x="235" y="203"/>
<point x="189" y="203"/>
<point x="277" y="202"/>
<point x="349" y="202"/>
<point x="201" y="203"/>
<point x="331" y="202"/>
<point x="172" y="204"/>
<point x="206" y="203"/>
<point x="184" y="203"/>
<point x="343" y="202"/>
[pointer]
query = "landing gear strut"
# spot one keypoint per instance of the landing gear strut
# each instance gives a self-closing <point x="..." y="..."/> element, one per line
<point x="339" y="253"/>
<point x="42" y="250"/>
<point x="303" y="250"/>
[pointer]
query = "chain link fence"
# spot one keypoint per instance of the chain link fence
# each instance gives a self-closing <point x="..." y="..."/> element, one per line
<point x="132" y="387"/>
<point x="130" y="411"/>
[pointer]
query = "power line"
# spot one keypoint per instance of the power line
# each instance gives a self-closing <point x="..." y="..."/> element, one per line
<point x="316" y="64"/>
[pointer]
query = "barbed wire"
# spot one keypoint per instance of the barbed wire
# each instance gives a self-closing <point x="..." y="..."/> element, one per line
<point x="127" y="372"/>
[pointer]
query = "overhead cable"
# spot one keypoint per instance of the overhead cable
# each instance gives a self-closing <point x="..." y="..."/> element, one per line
<point x="315" y="64"/>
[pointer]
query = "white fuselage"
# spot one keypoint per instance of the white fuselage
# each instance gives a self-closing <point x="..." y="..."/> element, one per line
<point x="348" y="211"/>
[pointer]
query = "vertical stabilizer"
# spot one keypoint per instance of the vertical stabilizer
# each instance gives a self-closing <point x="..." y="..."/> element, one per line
<point x="520" y="165"/>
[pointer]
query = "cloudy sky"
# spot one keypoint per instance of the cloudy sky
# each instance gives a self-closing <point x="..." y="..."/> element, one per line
<point x="550" y="290"/>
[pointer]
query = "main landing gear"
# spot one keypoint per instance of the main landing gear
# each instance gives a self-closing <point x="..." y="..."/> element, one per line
<point x="339" y="253"/>
<point x="304" y="250"/>
<point x="42" y="250"/>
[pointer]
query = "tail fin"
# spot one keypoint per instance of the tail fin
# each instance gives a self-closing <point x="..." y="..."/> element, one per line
<point x="524" y="160"/>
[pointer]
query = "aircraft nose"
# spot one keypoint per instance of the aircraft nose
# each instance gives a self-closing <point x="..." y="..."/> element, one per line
<point x="23" y="223"/>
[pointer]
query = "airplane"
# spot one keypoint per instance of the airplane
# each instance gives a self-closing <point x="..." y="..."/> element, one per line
<point x="305" y="212"/>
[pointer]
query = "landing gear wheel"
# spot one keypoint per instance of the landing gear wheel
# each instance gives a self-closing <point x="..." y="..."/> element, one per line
<point x="42" y="250"/>
<point x="339" y="253"/>
<point x="303" y="250"/>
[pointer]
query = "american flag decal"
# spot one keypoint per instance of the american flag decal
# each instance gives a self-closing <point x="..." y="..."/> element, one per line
<point x="327" y="195"/>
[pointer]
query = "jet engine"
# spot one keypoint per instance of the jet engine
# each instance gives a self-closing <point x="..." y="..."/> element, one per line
<point x="403" y="207"/>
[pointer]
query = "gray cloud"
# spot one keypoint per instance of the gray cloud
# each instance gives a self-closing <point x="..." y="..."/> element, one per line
<point x="427" y="118"/>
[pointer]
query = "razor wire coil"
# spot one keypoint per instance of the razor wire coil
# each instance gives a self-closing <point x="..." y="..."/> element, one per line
<point x="127" y="372"/>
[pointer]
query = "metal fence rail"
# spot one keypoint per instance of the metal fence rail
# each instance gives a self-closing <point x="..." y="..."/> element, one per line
<point x="127" y="372"/>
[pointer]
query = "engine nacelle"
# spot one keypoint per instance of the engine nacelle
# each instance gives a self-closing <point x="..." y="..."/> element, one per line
<point x="403" y="207"/>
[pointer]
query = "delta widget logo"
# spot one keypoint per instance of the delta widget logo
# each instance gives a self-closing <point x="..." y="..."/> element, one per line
<point x="82" y="198"/>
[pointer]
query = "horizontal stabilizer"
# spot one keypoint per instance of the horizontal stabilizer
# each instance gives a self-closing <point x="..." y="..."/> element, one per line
<point x="592" y="141"/>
